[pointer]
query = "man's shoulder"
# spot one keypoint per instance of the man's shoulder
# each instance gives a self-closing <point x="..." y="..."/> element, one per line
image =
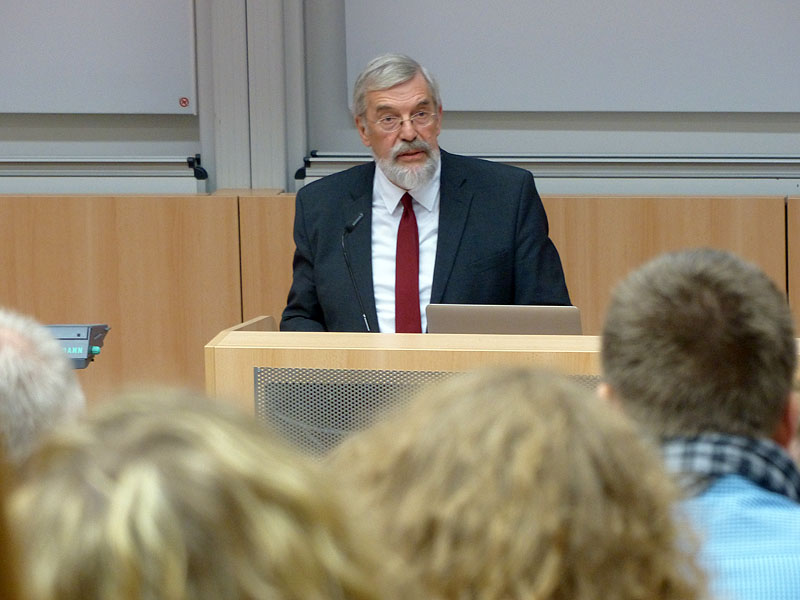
<point x="481" y="167"/>
<point x="734" y="497"/>
<point x="748" y="534"/>
<point x="348" y="180"/>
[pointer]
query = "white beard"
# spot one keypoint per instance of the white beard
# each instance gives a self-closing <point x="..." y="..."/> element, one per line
<point x="410" y="177"/>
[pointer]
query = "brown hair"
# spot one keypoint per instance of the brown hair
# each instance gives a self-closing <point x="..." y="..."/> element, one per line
<point x="697" y="341"/>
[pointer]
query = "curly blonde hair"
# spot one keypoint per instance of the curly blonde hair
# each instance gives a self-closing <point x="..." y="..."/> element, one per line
<point x="510" y="483"/>
<point x="170" y="496"/>
<point x="9" y="568"/>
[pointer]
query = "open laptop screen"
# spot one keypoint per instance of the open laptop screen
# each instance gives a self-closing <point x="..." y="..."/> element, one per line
<point x="503" y="318"/>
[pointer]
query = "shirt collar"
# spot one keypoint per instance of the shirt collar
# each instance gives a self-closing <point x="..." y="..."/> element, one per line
<point x="699" y="460"/>
<point x="426" y="195"/>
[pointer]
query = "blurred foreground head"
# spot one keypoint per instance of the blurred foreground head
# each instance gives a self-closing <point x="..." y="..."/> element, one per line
<point x="9" y="566"/>
<point x="38" y="387"/>
<point x="700" y="341"/>
<point x="515" y="484"/>
<point x="165" y="495"/>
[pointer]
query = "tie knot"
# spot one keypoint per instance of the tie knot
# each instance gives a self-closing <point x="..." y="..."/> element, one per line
<point x="407" y="200"/>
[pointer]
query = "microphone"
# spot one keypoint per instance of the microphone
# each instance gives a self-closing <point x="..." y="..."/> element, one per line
<point x="350" y="226"/>
<point x="348" y="229"/>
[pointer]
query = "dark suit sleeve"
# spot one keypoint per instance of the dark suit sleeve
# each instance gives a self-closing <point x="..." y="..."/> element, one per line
<point x="303" y="311"/>
<point x="538" y="275"/>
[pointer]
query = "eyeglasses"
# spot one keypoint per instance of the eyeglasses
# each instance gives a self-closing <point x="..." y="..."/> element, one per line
<point x="391" y="123"/>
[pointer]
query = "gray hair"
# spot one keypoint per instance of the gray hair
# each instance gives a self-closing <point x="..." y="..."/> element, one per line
<point x="698" y="341"/>
<point x="38" y="387"/>
<point x="388" y="71"/>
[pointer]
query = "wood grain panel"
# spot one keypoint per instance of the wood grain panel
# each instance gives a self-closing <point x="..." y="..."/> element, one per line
<point x="793" y="256"/>
<point x="267" y="249"/>
<point x="161" y="271"/>
<point x="601" y="239"/>
<point x="232" y="355"/>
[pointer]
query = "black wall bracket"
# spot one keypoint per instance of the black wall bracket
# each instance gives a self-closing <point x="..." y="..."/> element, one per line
<point x="194" y="163"/>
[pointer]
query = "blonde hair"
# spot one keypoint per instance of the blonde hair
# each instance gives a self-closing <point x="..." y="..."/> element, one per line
<point x="509" y="483"/>
<point x="168" y="496"/>
<point x="9" y="566"/>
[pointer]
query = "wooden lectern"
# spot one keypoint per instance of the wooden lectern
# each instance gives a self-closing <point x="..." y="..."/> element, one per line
<point x="295" y="377"/>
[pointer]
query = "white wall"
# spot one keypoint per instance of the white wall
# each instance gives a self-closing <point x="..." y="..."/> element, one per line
<point x="584" y="55"/>
<point x="272" y="88"/>
<point x="246" y="66"/>
<point x="588" y="147"/>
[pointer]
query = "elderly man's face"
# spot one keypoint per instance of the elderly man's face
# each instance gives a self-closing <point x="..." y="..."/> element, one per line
<point x="409" y="155"/>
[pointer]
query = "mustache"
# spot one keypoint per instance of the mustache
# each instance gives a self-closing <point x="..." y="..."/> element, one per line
<point x="413" y="146"/>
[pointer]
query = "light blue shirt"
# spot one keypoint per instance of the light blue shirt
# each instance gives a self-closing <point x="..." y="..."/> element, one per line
<point x="750" y="540"/>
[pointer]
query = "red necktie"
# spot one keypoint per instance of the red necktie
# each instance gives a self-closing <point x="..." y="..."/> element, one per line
<point x="406" y="282"/>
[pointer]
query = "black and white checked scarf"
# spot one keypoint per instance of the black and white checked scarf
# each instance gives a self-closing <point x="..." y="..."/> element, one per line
<point x="698" y="460"/>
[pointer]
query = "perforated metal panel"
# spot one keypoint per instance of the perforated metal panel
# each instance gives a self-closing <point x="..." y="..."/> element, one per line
<point x="316" y="408"/>
<point x="588" y="381"/>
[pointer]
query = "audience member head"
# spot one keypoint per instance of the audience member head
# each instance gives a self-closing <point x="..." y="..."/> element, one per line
<point x="9" y="565"/>
<point x="701" y="341"/>
<point x="38" y="387"/>
<point x="169" y="496"/>
<point x="509" y="483"/>
<point x="794" y="444"/>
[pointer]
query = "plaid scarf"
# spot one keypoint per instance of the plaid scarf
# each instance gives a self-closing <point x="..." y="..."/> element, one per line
<point x="699" y="460"/>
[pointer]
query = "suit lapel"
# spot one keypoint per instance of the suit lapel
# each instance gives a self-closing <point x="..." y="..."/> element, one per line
<point x="359" y="242"/>
<point x="454" y="201"/>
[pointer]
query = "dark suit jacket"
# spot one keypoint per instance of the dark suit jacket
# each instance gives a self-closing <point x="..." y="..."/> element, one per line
<point x="493" y="245"/>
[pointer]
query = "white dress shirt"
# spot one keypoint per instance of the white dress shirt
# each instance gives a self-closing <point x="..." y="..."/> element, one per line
<point x="386" y="213"/>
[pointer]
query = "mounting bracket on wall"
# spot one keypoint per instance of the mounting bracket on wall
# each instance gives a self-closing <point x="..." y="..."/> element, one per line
<point x="194" y="163"/>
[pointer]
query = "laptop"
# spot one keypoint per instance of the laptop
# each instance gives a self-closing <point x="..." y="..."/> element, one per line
<point x="503" y="318"/>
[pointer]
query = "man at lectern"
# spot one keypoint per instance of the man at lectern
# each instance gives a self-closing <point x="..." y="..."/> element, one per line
<point x="377" y="243"/>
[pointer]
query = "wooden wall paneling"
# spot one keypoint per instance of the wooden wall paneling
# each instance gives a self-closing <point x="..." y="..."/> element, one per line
<point x="232" y="355"/>
<point x="600" y="239"/>
<point x="267" y="249"/>
<point x="793" y="256"/>
<point x="161" y="271"/>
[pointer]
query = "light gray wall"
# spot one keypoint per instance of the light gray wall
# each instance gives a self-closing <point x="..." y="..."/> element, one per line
<point x="77" y="136"/>
<point x="547" y="133"/>
<point x="750" y="152"/>
<point x="584" y="55"/>
<point x="98" y="56"/>
<point x="272" y="94"/>
<point x="92" y="152"/>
